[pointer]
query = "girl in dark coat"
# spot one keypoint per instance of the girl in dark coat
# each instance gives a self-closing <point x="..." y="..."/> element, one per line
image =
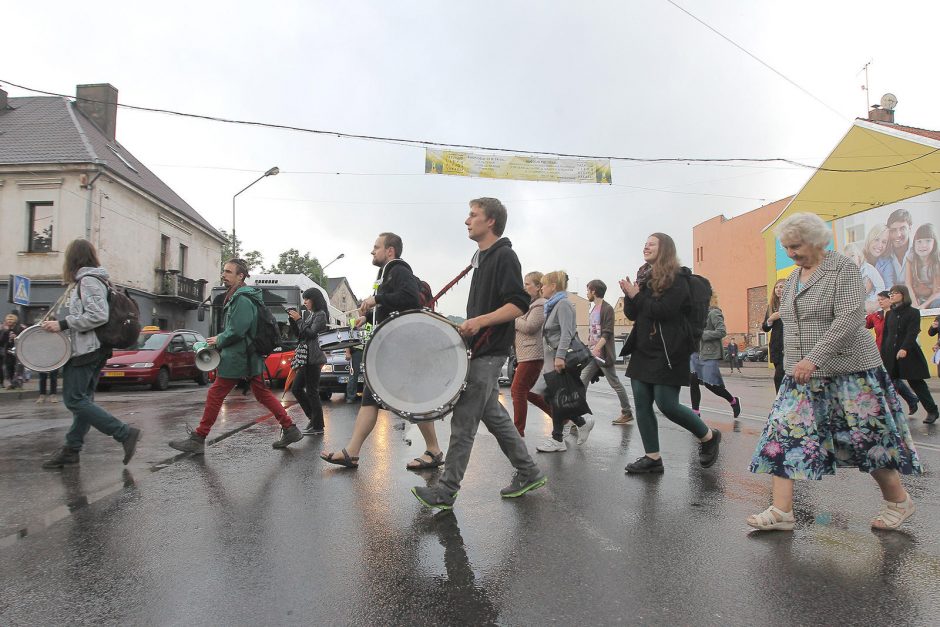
<point x="659" y="347"/>
<point x="309" y="358"/>
<point x="899" y="349"/>
<point x="774" y="325"/>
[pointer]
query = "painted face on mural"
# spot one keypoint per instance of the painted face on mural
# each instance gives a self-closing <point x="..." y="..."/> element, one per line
<point x="923" y="247"/>
<point x="900" y="234"/>
<point x="878" y="245"/>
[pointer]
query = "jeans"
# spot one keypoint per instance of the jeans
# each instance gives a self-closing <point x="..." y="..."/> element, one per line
<point x="306" y="389"/>
<point x="480" y="401"/>
<point x="352" y="386"/>
<point x="610" y="372"/>
<point x="904" y="391"/>
<point x="667" y="400"/>
<point x="220" y="389"/>
<point x="78" y="394"/>
<point x="527" y="373"/>
<point x="52" y="378"/>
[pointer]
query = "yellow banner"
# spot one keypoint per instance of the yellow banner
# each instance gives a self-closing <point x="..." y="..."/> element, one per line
<point x="497" y="166"/>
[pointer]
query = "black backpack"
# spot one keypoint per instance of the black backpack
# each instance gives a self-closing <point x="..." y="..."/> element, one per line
<point x="267" y="334"/>
<point x="701" y="291"/>
<point x="123" y="325"/>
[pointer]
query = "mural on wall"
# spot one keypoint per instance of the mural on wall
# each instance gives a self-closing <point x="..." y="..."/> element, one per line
<point x="896" y="244"/>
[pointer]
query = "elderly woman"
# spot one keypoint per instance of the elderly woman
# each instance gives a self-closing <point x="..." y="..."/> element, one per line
<point x="836" y="406"/>
<point x="560" y="327"/>
<point x="900" y="351"/>
<point x="529" y="354"/>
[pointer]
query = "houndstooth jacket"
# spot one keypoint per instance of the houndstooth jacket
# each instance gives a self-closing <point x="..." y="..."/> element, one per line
<point x="825" y="321"/>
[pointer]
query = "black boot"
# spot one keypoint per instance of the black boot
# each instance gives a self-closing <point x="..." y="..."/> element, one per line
<point x="65" y="456"/>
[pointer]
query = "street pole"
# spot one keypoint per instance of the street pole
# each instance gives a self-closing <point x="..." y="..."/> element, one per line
<point x="272" y="172"/>
<point x="338" y="257"/>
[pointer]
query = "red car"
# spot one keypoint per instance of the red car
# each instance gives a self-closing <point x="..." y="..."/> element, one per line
<point x="157" y="358"/>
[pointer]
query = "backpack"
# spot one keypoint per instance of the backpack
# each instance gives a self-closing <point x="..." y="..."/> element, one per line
<point x="425" y="295"/>
<point x="267" y="334"/>
<point x="123" y="325"/>
<point x="701" y="290"/>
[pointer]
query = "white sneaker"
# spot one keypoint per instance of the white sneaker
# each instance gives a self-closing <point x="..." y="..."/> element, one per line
<point x="552" y="446"/>
<point x="585" y="430"/>
<point x="566" y="431"/>
<point x="40" y="400"/>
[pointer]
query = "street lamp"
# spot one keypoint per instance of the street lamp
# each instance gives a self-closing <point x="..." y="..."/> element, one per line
<point x="338" y="257"/>
<point x="272" y="172"/>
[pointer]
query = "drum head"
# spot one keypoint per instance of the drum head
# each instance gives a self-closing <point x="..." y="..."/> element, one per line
<point x="417" y="364"/>
<point x="42" y="351"/>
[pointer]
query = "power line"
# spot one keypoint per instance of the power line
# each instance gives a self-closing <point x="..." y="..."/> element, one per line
<point x="520" y="151"/>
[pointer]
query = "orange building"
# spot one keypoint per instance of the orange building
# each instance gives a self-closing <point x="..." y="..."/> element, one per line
<point x="731" y="254"/>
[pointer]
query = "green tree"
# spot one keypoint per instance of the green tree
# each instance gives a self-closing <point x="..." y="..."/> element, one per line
<point x="252" y="257"/>
<point x="292" y="262"/>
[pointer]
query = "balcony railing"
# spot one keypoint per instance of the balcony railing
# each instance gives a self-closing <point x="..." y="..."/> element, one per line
<point x="170" y="283"/>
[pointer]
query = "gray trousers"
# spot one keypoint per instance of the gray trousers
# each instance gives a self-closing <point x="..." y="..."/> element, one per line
<point x="610" y="372"/>
<point x="480" y="401"/>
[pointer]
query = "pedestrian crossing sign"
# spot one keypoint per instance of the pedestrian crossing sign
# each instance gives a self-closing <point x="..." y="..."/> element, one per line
<point x="20" y="290"/>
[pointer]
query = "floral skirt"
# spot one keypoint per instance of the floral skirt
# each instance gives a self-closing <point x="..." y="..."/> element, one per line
<point x="847" y="420"/>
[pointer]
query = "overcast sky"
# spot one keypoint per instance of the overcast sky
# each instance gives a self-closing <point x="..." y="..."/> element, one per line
<point x="637" y="78"/>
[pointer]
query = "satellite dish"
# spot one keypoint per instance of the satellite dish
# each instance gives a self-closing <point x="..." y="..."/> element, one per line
<point x="889" y="101"/>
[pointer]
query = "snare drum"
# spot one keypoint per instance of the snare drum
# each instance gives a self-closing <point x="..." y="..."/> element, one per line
<point x="336" y="339"/>
<point x="416" y="364"/>
<point x="42" y="351"/>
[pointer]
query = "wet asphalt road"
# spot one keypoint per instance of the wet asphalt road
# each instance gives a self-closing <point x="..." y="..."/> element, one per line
<point x="250" y="535"/>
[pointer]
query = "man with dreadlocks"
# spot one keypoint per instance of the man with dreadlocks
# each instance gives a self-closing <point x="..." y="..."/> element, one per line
<point x="238" y="361"/>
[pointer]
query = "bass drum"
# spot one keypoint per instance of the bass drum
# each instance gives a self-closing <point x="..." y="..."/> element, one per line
<point x="42" y="351"/>
<point x="416" y="364"/>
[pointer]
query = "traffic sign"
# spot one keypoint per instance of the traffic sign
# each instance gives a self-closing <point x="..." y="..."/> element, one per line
<point x="20" y="290"/>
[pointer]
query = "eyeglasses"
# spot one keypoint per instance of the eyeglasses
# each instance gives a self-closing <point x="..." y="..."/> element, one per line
<point x="894" y="293"/>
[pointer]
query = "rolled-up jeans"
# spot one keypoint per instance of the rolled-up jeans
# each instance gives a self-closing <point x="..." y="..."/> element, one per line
<point x="78" y="394"/>
<point x="480" y="401"/>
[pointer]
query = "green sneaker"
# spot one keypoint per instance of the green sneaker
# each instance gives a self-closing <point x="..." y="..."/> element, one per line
<point x="434" y="499"/>
<point x="521" y="484"/>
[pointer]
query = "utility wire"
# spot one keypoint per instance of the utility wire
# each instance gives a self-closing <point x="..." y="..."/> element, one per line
<point x="426" y="143"/>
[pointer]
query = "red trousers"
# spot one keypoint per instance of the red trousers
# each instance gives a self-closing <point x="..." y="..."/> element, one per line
<point x="220" y="390"/>
<point x="527" y="373"/>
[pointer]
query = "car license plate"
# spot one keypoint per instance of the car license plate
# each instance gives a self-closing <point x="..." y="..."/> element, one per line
<point x="114" y="374"/>
<point x="343" y="379"/>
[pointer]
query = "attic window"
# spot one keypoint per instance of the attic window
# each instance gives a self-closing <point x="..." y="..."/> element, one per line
<point x="123" y="160"/>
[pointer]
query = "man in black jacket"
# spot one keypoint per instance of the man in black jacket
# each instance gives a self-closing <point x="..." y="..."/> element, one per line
<point x="396" y="289"/>
<point x="497" y="297"/>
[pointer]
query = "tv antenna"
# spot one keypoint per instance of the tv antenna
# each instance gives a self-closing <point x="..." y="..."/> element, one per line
<point x="865" y="86"/>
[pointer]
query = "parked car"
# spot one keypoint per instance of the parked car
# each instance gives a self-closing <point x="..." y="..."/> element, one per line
<point x="756" y="353"/>
<point x="157" y="358"/>
<point x="335" y="375"/>
<point x="508" y="371"/>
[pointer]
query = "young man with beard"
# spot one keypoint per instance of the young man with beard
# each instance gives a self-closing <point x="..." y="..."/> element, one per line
<point x="396" y="290"/>
<point x="601" y="343"/>
<point x="238" y="361"/>
<point x="497" y="297"/>
<point x="899" y="233"/>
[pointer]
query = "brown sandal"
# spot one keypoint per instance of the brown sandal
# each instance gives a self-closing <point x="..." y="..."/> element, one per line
<point x="347" y="461"/>
<point x="436" y="461"/>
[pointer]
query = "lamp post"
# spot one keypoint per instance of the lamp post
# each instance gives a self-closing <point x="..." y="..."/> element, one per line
<point x="272" y="172"/>
<point x="338" y="257"/>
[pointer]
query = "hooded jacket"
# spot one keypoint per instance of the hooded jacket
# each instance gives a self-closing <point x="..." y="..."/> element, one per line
<point x="497" y="281"/>
<point x="662" y="336"/>
<point x="397" y="289"/>
<point x="234" y="342"/>
<point x="88" y="312"/>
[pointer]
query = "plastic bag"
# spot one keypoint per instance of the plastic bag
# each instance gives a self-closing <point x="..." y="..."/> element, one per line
<point x="566" y="394"/>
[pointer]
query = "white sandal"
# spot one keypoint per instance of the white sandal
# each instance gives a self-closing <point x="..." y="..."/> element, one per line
<point x="772" y="519"/>
<point x="893" y="514"/>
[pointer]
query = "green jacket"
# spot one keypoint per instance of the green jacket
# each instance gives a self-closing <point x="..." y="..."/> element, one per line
<point x="710" y="347"/>
<point x="234" y="343"/>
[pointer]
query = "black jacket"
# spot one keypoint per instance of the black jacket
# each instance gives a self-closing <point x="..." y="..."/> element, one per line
<point x="661" y="341"/>
<point x="902" y="325"/>
<point x="776" y="340"/>
<point x="497" y="281"/>
<point x="308" y="329"/>
<point x="397" y="289"/>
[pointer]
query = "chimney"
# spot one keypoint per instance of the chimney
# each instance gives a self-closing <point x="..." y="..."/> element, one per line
<point x="3" y="100"/>
<point x="99" y="104"/>
<point x="877" y="114"/>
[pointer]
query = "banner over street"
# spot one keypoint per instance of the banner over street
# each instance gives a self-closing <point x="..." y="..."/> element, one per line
<point x="522" y="168"/>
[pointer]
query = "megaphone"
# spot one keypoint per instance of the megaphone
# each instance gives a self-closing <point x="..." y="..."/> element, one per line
<point x="207" y="357"/>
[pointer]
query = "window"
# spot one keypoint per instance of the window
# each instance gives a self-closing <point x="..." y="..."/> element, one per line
<point x="40" y="227"/>
<point x="182" y="264"/>
<point x="164" y="251"/>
